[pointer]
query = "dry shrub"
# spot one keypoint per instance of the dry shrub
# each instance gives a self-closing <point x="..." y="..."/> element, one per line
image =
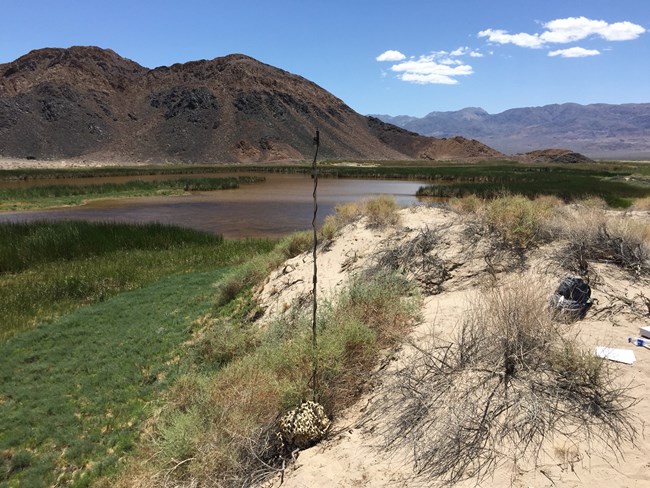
<point x="415" y="258"/>
<point x="549" y="202"/>
<point x="593" y="202"/>
<point x="243" y="400"/>
<point x="516" y="221"/>
<point x="641" y="204"/>
<point x="380" y="211"/>
<point x="593" y="234"/>
<point x="470" y="204"/>
<point x="511" y="380"/>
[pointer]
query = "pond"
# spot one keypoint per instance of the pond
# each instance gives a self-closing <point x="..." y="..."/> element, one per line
<point x="278" y="206"/>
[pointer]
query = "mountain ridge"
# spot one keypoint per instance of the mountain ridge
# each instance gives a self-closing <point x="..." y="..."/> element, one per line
<point x="597" y="130"/>
<point x="89" y="102"/>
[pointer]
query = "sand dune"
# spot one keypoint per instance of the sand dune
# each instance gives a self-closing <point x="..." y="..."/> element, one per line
<point x="356" y="455"/>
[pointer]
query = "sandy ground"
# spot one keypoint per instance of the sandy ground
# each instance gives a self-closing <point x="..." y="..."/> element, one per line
<point x="16" y="163"/>
<point x="355" y="454"/>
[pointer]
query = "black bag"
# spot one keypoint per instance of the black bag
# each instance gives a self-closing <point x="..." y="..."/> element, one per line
<point x="573" y="297"/>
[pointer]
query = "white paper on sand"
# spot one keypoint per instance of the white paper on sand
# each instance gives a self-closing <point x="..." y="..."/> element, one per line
<point x="619" y="355"/>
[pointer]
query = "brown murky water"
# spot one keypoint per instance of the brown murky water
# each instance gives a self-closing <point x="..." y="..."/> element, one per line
<point x="280" y="205"/>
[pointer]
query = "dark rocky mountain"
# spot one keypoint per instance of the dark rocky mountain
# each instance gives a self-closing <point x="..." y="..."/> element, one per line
<point x="91" y="103"/>
<point x="598" y="130"/>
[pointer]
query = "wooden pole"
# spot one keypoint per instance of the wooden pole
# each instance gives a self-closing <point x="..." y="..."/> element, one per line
<point x="315" y="277"/>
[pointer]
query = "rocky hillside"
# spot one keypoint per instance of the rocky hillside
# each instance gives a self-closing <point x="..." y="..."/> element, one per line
<point x="598" y="130"/>
<point x="91" y="103"/>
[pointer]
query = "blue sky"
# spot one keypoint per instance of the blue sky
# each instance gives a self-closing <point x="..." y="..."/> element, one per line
<point x="442" y="54"/>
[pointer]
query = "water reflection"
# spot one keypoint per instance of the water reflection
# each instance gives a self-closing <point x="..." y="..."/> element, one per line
<point x="282" y="204"/>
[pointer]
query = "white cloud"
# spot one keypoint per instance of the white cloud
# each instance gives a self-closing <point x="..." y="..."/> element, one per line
<point x="622" y="31"/>
<point x="522" y="39"/>
<point x="574" y="52"/>
<point x="450" y="62"/>
<point x="466" y="51"/>
<point x="562" y="31"/>
<point x="429" y="70"/>
<point x="391" y="55"/>
<point x="437" y="67"/>
<point x="578" y="28"/>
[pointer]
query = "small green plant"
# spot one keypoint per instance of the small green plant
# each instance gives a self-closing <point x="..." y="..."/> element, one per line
<point x="180" y="433"/>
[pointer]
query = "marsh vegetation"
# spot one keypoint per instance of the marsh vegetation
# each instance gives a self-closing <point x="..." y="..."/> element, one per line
<point x="65" y="195"/>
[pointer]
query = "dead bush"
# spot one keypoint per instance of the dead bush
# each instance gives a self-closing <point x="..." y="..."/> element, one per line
<point x="511" y="380"/>
<point x="415" y="258"/>
<point x="592" y="234"/>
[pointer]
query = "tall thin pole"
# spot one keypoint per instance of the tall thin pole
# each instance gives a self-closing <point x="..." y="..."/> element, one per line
<point x="315" y="277"/>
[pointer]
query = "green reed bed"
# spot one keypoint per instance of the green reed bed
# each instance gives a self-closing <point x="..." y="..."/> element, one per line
<point x="174" y="362"/>
<point x="49" y="268"/>
<point x="52" y="195"/>
<point x="617" y="193"/>
<point x="94" y="172"/>
<point x="23" y="245"/>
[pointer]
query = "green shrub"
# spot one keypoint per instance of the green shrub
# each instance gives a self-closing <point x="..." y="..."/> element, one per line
<point x="180" y="434"/>
<point x="517" y="219"/>
<point x="271" y="372"/>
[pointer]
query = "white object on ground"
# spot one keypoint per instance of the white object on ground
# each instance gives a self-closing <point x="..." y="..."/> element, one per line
<point x="619" y="355"/>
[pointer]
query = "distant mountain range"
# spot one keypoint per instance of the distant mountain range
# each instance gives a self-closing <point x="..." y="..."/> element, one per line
<point x="87" y="102"/>
<point x="598" y="130"/>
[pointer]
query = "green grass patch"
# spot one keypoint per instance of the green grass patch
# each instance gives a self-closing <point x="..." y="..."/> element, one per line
<point x="74" y="392"/>
<point x="47" y="269"/>
<point x="59" y="195"/>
